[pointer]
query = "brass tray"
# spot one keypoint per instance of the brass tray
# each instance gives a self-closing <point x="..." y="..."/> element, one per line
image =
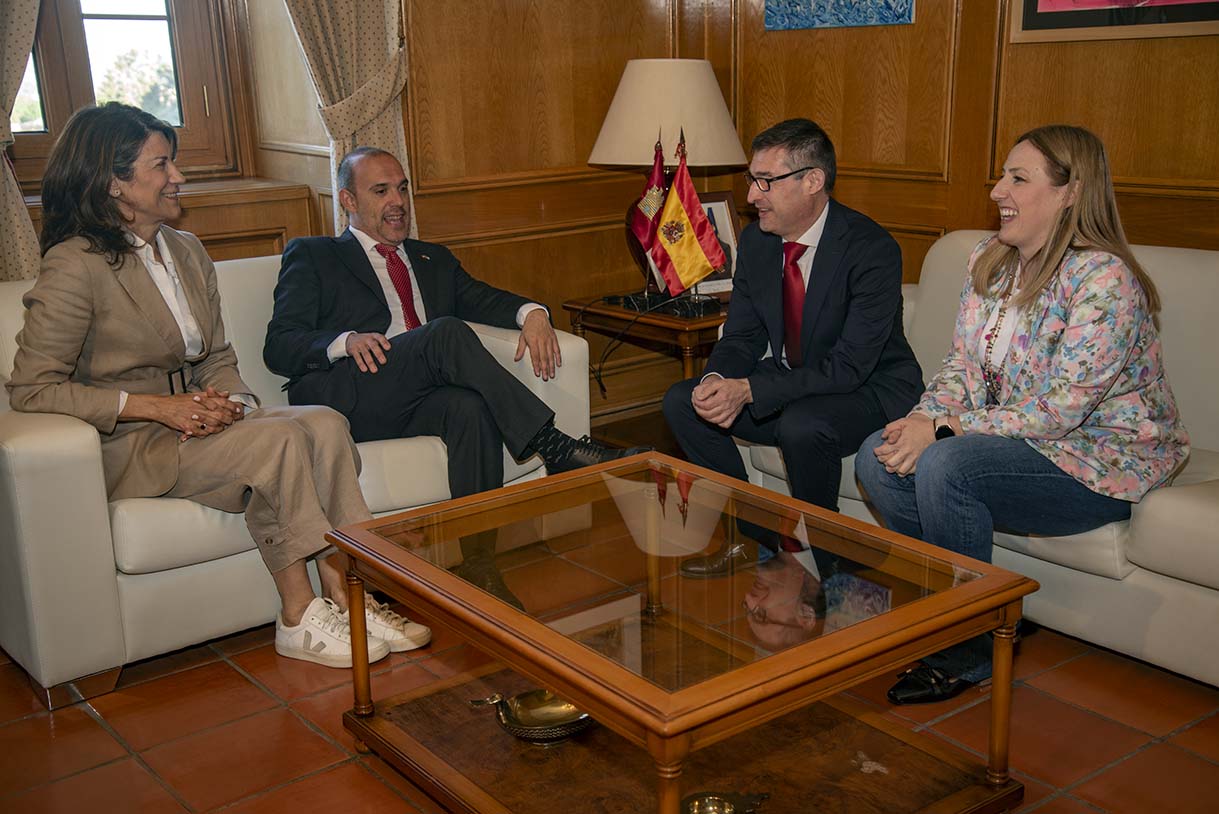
<point x="720" y="802"/>
<point x="537" y="716"/>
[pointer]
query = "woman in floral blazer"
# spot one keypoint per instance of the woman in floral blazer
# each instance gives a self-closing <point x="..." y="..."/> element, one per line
<point x="1051" y="414"/>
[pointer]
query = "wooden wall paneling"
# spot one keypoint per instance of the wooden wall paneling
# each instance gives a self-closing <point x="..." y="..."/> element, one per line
<point x="1170" y="220"/>
<point x="504" y="210"/>
<point x="245" y="219"/>
<point x="553" y="267"/>
<point x="324" y="211"/>
<point x="1155" y="104"/>
<point x="519" y="87"/>
<point x="708" y="31"/>
<point x="886" y="97"/>
<point x="975" y="94"/>
<point x="883" y="93"/>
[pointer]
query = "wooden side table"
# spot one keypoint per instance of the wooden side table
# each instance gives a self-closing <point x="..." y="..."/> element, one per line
<point x="691" y="337"/>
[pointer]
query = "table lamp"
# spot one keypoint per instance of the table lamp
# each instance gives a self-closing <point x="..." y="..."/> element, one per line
<point x="666" y="97"/>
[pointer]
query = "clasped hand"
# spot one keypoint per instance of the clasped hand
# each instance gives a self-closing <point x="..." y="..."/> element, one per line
<point x="197" y="415"/>
<point x="904" y="441"/>
<point x="719" y="401"/>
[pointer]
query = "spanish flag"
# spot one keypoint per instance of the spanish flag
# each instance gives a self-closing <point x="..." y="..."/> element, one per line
<point x="685" y="248"/>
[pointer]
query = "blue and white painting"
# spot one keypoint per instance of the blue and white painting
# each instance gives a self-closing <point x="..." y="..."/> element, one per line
<point x="784" y="15"/>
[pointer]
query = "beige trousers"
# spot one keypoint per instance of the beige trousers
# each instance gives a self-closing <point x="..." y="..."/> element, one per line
<point x="292" y="470"/>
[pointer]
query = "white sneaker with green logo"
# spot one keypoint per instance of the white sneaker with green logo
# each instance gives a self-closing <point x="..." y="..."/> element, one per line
<point x="323" y="637"/>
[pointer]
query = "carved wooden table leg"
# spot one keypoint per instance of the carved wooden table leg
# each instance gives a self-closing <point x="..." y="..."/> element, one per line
<point x="669" y="755"/>
<point x="1001" y="704"/>
<point x="687" y="363"/>
<point x="359" y="648"/>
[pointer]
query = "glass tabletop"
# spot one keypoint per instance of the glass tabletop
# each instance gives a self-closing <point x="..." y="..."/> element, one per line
<point x="598" y="558"/>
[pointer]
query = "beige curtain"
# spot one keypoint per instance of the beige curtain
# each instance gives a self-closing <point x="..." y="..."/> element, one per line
<point x="356" y="52"/>
<point x="19" y="255"/>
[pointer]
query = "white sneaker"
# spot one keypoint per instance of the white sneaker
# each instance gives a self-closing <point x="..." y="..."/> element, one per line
<point x="322" y="636"/>
<point x="400" y="633"/>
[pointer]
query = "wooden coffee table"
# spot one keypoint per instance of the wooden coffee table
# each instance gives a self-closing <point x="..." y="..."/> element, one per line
<point x="676" y="667"/>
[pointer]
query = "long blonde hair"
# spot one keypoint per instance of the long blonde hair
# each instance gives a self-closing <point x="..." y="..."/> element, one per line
<point x="1073" y="156"/>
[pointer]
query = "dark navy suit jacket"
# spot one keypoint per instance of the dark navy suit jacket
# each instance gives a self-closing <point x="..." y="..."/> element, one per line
<point x="851" y="332"/>
<point x="327" y="286"/>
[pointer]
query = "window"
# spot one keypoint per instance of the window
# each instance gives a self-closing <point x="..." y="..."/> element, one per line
<point x="169" y="57"/>
<point x="27" y="111"/>
<point x="131" y="56"/>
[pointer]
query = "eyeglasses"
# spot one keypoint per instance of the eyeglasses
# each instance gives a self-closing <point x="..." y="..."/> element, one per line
<point x="763" y="184"/>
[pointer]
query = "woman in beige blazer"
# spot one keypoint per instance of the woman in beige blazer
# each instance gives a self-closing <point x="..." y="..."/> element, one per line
<point x="123" y="330"/>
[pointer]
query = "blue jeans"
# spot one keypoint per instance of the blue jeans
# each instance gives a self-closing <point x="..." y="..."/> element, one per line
<point x="966" y="487"/>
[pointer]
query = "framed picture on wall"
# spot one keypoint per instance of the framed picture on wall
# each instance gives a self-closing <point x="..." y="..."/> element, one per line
<point x="721" y="211"/>
<point x="1062" y="20"/>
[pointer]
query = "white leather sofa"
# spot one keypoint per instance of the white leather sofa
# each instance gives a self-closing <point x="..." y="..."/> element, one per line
<point x="87" y="585"/>
<point x="1148" y="587"/>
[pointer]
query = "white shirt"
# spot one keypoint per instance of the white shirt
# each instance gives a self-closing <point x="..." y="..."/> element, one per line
<point x="1007" y="331"/>
<point x="397" y="321"/>
<point x="165" y="275"/>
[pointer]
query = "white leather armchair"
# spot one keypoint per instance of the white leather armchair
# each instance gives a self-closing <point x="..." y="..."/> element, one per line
<point x="87" y="585"/>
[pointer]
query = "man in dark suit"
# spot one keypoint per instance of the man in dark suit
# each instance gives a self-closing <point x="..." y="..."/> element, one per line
<point x="371" y="324"/>
<point x="819" y="285"/>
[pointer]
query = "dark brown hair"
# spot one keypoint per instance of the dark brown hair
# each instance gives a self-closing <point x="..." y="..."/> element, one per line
<point x="806" y="143"/>
<point x="98" y="145"/>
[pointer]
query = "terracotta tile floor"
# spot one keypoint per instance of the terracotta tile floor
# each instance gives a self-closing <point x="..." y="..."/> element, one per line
<point x="230" y="726"/>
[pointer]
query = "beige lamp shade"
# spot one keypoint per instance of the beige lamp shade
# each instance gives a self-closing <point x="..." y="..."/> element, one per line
<point x="669" y="96"/>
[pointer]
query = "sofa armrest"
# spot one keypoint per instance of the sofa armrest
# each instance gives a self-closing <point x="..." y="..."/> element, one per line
<point x="59" y="608"/>
<point x="566" y="393"/>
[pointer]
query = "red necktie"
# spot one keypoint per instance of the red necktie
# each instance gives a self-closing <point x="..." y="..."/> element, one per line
<point x="401" y="278"/>
<point x="793" y="302"/>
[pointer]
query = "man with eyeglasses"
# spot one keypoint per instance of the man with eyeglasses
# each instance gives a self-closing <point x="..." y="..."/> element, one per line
<point x="817" y="292"/>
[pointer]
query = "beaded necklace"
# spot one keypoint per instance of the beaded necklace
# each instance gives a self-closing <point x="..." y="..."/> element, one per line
<point x="992" y="375"/>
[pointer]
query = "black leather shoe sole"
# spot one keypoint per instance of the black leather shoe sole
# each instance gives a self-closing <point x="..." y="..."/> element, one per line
<point x="923" y="684"/>
<point x="720" y="564"/>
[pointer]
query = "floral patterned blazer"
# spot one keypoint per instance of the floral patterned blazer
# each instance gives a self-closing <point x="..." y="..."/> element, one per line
<point x="1083" y="382"/>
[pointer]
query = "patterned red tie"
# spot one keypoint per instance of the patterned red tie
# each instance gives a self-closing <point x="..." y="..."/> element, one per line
<point x="793" y="302"/>
<point x="401" y="278"/>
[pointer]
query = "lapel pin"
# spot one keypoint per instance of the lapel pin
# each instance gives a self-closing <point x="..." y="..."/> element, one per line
<point x="425" y="257"/>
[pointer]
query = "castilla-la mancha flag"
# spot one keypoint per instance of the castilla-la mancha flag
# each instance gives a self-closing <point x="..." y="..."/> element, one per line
<point x="685" y="248"/>
<point x="645" y="213"/>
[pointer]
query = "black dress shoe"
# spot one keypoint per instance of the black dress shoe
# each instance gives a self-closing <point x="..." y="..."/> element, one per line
<point x="719" y="564"/>
<point x="562" y="453"/>
<point x="924" y="684"/>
